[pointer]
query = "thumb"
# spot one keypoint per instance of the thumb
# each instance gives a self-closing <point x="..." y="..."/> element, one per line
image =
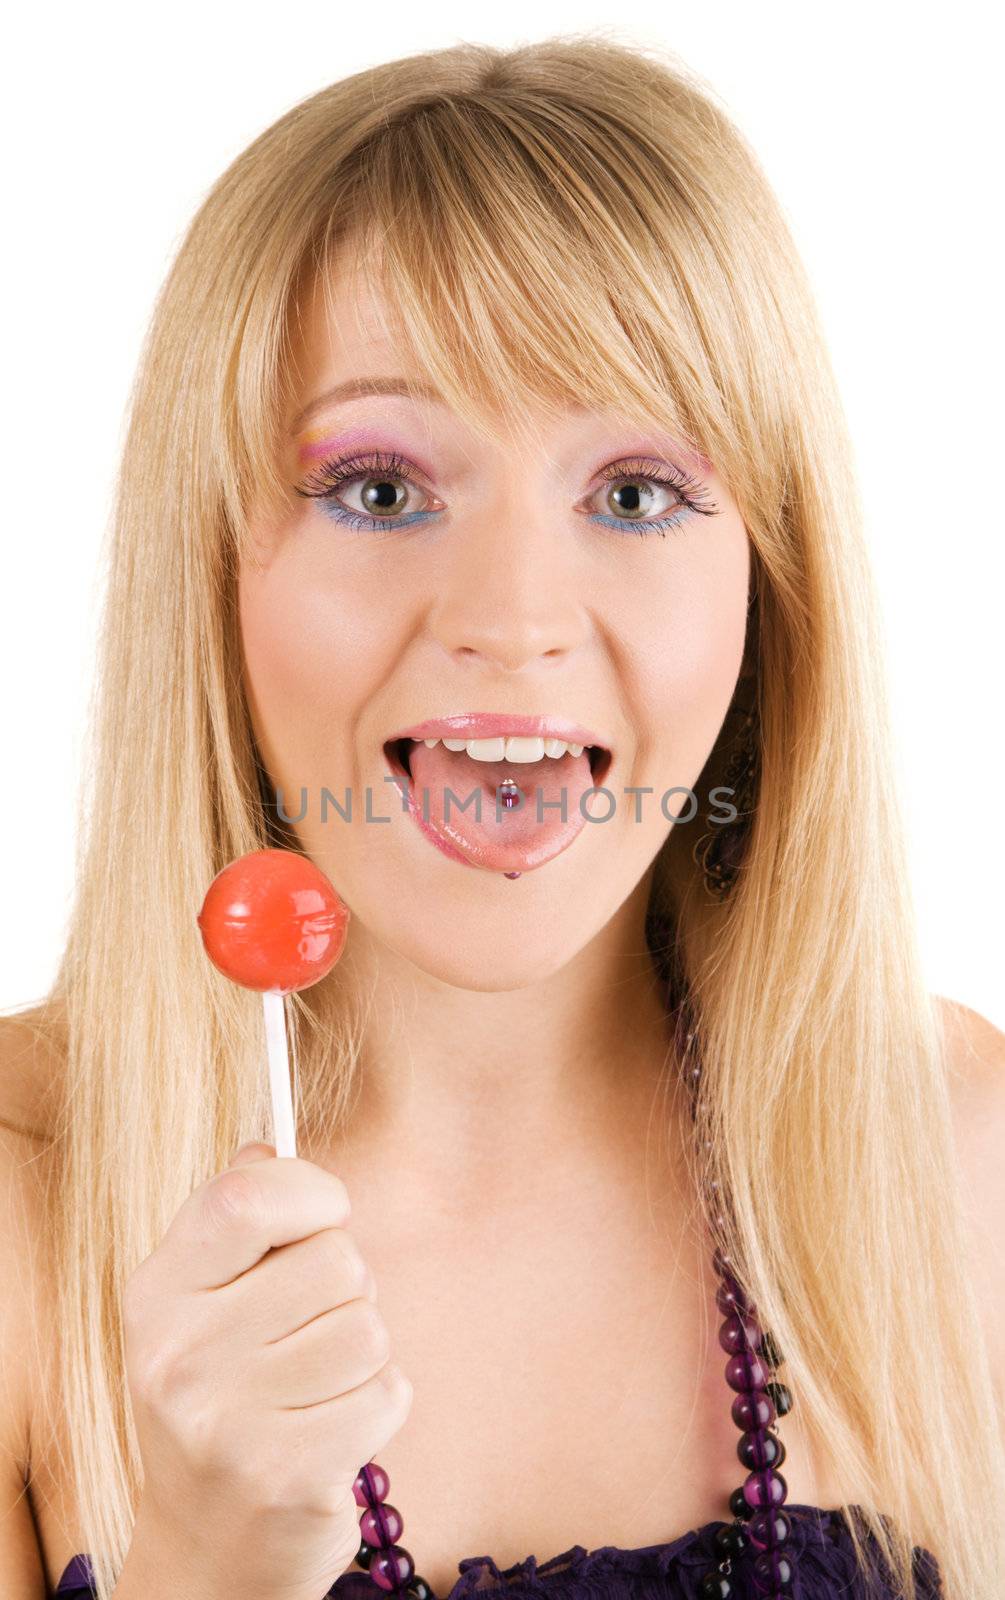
<point x="252" y="1152"/>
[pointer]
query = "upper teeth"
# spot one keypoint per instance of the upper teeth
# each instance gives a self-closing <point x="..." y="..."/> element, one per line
<point x="508" y="749"/>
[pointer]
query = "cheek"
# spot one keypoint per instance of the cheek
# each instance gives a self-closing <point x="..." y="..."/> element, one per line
<point x="689" y="651"/>
<point x="311" y="645"/>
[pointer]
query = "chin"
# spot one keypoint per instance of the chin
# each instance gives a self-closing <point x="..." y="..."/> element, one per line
<point x="490" y="965"/>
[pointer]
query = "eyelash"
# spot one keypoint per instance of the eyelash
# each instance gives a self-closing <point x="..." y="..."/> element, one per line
<point x="327" y="479"/>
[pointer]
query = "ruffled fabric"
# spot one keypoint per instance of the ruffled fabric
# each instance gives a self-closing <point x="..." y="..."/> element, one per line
<point x="821" y="1543"/>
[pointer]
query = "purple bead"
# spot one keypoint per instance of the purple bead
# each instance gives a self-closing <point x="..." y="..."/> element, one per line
<point x="371" y="1485"/>
<point x="769" y="1529"/>
<point x="392" y="1569"/>
<point x="753" y="1410"/>
<point x="722" y="1264"/>
<point x="763" y="1490"/>
<point x="746" y="1372"/>
<point x="381" y="1525"/>
<point x="739" y="1333"/>
<point x="731" y="1295"/>
<point x="759" y="1450"/>
<point x="771" y="1569"/>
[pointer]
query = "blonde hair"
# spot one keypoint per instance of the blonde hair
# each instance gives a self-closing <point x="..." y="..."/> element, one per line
<point x="577" y="221"/>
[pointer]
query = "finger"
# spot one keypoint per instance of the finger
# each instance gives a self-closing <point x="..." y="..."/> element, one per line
<point x="252" y="1152"/>
<point x="297" y="1282"/>
<point x="327" y="1357"/>
<point x="231" y="1222"/>
<point x="356" y="1425"/>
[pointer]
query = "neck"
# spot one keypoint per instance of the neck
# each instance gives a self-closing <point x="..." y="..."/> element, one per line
<point x="475" y="1091"/>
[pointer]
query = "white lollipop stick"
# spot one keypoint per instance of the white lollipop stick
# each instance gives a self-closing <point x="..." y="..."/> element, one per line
<point x="283" y="1127"/>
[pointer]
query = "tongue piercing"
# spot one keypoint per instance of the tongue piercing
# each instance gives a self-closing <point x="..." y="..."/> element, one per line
<point x="509" y="794"/>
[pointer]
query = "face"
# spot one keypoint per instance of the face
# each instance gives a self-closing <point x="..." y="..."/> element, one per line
<point x="570" y="619"/>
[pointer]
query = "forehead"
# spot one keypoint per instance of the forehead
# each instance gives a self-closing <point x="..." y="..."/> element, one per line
<point x="346" y="338"/>
<point x="343" y="311"/>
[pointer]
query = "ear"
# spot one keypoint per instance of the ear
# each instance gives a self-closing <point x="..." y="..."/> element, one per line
<point x="751" y="644"/>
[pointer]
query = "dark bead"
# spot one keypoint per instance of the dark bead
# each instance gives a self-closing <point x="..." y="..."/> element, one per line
<point x="781" y="1396"/>
<point x="715" y="1586"/>
<point x="770" y="1351"/>
<point x="365" y="1553"/>
<point x="753" y="1410"/>
<point x="419" y="1589"/>
<point x="392" y="1569"/>
<point x="382" y="1525"/>
<point x="730" y="1297"/>
<point x="729" y="1540"/>
<point x="746" y="1372"/>
<point x="768" y="1529"/>
<point x="771" y="1569"/>
<point x="739" y="1333"/>
<point x="371" y="1485"/>
<point x="738" y="1505"/>
<point x="760" y="1449"/>
<point x="763" y="1490"/>
<point x="723" y="1265"/>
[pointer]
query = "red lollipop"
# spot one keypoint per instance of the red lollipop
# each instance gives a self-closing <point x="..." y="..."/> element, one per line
<point x="272" y="921"/>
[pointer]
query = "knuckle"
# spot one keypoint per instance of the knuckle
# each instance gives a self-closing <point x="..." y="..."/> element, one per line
<point x="234" y="1200"/>
<point x="343" y="1259"/>
<point x="205" y="1444"/>
<point x="398" y="1385"/>
<point x="373" y="1338"/>
<point x="338" y="1192"/>
<point x="150" y="1375"/>
<point x="166" y="1378"/>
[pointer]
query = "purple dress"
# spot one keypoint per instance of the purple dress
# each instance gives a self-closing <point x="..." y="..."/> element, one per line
<point x="820" y="1541"/>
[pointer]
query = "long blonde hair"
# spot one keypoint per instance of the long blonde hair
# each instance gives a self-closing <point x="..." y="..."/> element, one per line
<point x="578" y="221"/>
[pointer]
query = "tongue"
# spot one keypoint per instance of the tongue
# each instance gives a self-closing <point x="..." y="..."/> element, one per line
<point x="474" y="822"/>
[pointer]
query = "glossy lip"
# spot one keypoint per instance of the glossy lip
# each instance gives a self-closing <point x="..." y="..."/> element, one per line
<point x="494" y="724"/>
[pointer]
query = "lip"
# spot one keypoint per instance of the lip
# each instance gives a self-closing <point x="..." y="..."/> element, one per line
<point x="496" y="724"/>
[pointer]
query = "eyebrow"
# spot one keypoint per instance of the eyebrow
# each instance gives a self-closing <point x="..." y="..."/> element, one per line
<point x="355" y="388"/>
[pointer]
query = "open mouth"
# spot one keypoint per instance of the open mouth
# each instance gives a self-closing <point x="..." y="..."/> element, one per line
<point x="399" y="757"/>
<point x="508" y="803"/>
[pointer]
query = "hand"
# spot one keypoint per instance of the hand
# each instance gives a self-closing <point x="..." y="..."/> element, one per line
<point x="257" y="1363"/>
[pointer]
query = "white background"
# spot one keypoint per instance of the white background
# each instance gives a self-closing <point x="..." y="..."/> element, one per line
<point x="879" y="126"/>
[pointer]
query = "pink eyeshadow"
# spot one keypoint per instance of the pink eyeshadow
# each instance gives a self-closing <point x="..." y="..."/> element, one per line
<point x="319" y="443"/>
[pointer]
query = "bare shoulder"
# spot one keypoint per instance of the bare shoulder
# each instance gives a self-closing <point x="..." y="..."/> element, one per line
<point x="975" y="1060"/>
<point x="25" y="1175"/>
<point x="28" y="1062"/>
<point x="32" y="1053"/>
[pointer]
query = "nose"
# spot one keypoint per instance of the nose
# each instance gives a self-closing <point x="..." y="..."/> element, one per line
<point x="512" y="592"/>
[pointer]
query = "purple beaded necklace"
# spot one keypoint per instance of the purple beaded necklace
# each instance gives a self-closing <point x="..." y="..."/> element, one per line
<point x="759" y="1532"/>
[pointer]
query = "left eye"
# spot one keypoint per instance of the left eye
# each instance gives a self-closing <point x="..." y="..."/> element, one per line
<point x="632" y="499"/>
<point x="383" y="483"/>
<point x="381" y="495"/>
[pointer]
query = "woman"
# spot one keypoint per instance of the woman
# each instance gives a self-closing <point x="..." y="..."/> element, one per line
<point x="485" y="403"/>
